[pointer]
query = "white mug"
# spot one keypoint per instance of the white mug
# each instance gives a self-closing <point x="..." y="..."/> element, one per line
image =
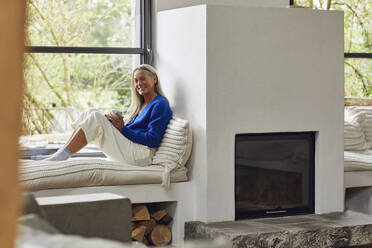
<point x="116" y="111"/>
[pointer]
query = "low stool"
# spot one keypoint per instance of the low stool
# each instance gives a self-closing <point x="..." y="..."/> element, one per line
<point x="103" y="215"/>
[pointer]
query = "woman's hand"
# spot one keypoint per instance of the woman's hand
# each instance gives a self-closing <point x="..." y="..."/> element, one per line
<point x="116" y="120"/>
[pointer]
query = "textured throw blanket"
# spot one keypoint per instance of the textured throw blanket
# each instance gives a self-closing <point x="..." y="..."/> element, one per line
<point x="358" y="160"/>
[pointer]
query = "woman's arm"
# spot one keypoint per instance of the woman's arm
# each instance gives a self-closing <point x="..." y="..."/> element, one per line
<point x="160" y="116"/>
<point x="116" y="119"/>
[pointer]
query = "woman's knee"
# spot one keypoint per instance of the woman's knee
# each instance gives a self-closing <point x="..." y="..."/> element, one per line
<point x="88" y="111"/>
<point x="97" y="115"/>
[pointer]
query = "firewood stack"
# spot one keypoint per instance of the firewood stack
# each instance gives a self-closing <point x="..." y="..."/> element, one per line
<point x="151" y="227"/>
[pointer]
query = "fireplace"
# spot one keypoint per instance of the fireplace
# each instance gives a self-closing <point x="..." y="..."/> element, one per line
<point x="274" y="174"/>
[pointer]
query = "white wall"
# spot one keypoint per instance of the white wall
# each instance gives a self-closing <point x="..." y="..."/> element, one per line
<point x="274" y="70"/>
<point x="181" y="61"/>
<point x="173" y="4"/>
<point x="246" y="70"/>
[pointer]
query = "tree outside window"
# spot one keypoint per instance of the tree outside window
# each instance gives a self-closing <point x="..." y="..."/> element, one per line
<point x="102" y="42"/>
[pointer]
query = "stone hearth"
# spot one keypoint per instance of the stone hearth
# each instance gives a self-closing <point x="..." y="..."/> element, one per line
<point x="302" y="231"/>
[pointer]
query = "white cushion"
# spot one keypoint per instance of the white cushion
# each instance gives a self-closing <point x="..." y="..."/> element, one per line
<point x="358" y="160"/>
<point x="362" y="115"/>
<point x="354" y="137"/>
<point x="175" y="147"/>
<point x="80" y="172"/>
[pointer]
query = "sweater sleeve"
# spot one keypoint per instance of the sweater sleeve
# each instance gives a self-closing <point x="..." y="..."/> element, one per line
<point x="159" y="118"/>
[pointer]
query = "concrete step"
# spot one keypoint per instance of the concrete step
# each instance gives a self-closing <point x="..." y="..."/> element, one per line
<point x="103" y="215"/>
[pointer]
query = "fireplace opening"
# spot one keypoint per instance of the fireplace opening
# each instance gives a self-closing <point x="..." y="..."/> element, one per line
<point x="274" y="174"/>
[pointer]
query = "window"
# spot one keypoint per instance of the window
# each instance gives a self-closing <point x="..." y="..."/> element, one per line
<point x="357" y="45"/>
<point x="80" y="54"/>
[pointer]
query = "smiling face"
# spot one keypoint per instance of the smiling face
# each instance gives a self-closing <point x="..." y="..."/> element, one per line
<point x="144" y="82"/>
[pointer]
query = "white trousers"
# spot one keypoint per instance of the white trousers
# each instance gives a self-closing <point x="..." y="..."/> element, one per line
<point x="99" y="131"/>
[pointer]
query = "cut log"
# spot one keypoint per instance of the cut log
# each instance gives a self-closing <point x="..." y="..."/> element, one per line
<point x="158" y="215"/>
<point x="139" y="233"/>
<point x="133" y="225"/>
<point x="140" y="212"/>
<point x="166" y="220"/>
<point x="161" y="235"/>
<point x="149" y="224"/>
<point x="146" y="241"/>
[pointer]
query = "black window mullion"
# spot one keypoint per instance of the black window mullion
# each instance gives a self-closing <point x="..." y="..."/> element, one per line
<point x="145" y="50"/>
<point x="97" y="50"/>
<point x="142" y="6"/>
<point x="146" y="31"/>
<point x="359" y="55"/>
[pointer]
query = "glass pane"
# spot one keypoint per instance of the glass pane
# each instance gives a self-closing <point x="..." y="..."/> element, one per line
<point x="59" y="86"/>
<point x="357" y="26"/>
<point x="358" y="77"/>
<point x="357" y="21"/>
<point x="92" y="23"/>
<point x="273" y="173"/>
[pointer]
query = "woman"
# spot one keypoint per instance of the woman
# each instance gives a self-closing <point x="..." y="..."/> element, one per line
<point x="130" y="140"/>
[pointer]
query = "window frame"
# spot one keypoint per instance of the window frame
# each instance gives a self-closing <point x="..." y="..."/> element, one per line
<point x="145" y="50"/>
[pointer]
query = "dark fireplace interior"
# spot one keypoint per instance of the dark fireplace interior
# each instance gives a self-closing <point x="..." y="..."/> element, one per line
<point x="274" y="174"/>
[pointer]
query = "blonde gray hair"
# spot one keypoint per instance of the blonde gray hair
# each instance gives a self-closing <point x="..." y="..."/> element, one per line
<point x="136" y="99"/>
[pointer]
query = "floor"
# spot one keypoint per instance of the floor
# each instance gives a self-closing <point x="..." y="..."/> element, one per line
<point x="346" y="229"/>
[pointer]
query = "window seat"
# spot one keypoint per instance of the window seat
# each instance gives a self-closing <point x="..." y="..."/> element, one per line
<point x="164" y="181"/>
<point x="149" y="190"/>
<point x="358" y="146"/>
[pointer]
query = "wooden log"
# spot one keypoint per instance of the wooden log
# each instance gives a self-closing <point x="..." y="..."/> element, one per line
<point x="161" y="235"/>
<point x="158" y="215"/>
<point x="166" y="220"/>
<point x="149" y="224"/>
<point x="139" y="233"/>
<point x="133" y="225"/>
<point x="146" y="241"/>
<point x="140" y="212"/>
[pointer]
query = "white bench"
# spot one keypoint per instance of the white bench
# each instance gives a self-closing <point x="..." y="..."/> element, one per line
<point x="178" y="196"/>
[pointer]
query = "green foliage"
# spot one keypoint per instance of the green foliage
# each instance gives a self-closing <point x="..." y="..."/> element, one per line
<point x="358" y="75"/>
<point x="77" y="80"/>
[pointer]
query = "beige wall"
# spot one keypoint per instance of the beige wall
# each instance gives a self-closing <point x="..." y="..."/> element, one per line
<point x="11" y="55"/>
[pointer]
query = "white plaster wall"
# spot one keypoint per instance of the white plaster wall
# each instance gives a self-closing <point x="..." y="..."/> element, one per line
<point x="180" y="50"/>
<point x="246" y="70"/>
<point x="274" y="70"/>
<point x="173" y="4"/>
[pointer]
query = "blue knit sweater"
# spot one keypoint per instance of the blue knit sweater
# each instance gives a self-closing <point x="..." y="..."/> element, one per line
<point x="149" y="126"/>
